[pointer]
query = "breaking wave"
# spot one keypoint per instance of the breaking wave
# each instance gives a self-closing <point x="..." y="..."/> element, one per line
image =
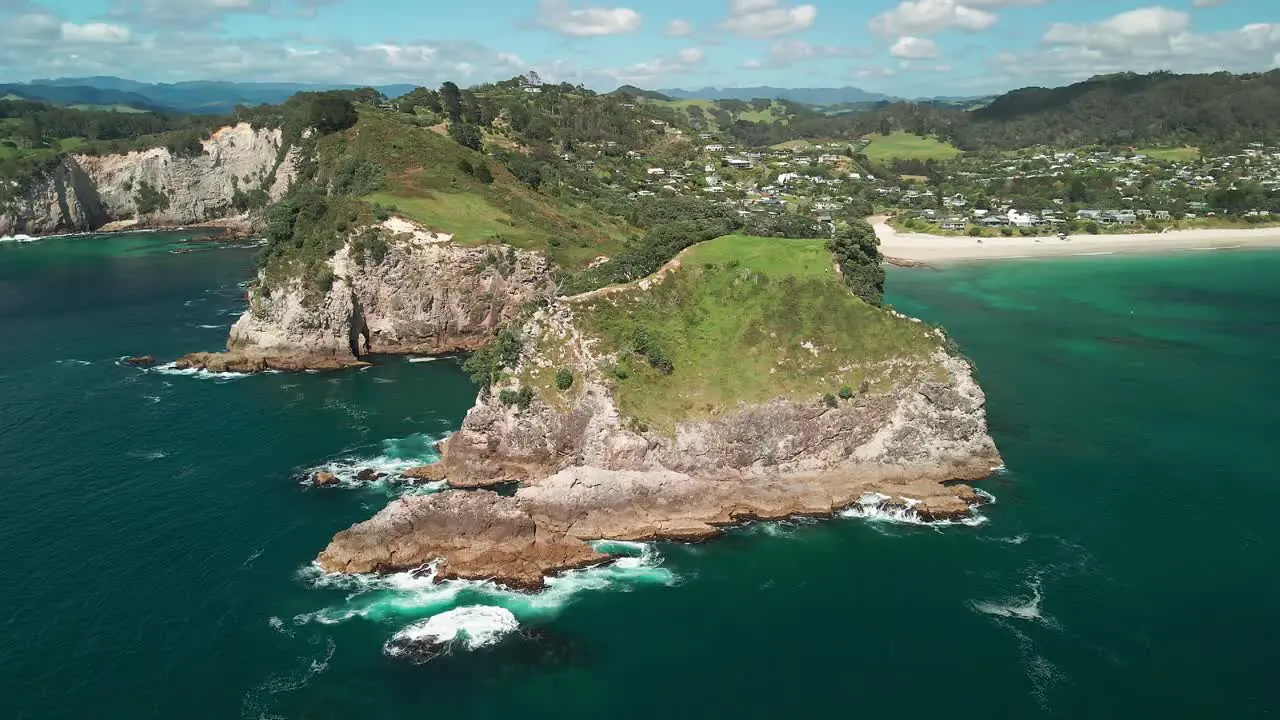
<point x="172" y="369"/>
<point x="470" y="627"/>
<point x="489" y="607"/>
<point x="19" y="238"/>
<point x="397" y="455"/>
<point x="877" y="507"/>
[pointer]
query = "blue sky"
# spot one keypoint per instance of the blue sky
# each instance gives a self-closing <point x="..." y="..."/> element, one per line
<point x="908" y="48"/>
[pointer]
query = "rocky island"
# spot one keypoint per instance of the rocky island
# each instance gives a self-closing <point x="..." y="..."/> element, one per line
<point x="782" y="395"/>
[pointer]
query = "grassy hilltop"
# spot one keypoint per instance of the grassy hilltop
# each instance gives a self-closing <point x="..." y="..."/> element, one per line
<point x="743" y="320"/>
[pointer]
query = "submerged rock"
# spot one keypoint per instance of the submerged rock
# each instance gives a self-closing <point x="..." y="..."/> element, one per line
<point x="369" y="475"/>
<point x="323" y="479"/>
<point x="466" y="628"/>
<point x="237" y="362"/>
<point x="143" y="361"/>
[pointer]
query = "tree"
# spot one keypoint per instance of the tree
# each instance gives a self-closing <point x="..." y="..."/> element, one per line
<point x="331" y="113"/>
<point x="857" y="251"/>
<point x="466" y="135"/>
<point x="451" y="100"/>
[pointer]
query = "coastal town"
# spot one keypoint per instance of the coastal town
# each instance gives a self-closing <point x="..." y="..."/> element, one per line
<point x="1033" y="191"/>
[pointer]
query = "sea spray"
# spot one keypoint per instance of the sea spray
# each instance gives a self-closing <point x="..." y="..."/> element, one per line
<point x="419" y="593"/>
<point x="387" y="466"/>
<point x="877" y="507"/>
<point x="469" y="628"/>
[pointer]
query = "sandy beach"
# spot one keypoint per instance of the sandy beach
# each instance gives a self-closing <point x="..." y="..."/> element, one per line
<point x="912" y="248"/>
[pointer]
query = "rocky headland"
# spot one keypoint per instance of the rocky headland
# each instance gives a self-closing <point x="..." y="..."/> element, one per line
<point x="84" y="193"/>
<point x="425" y="296"/>
<point x="588" y="472"/>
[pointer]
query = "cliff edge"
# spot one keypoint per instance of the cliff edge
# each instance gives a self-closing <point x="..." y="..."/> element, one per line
<point x="87" y="192"/>
<point x="420" y="293"/>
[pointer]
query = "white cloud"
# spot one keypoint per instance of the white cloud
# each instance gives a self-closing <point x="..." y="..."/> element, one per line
<point x="914" y="48"/>
<point x="678" y="28"/>
<point x="562" y="17"/>
<point x="1136" y="27"/>
<point x="1143" y="40"/>
<point x="768" y="18"/>
<point x="1207" y="3"/>
<point x="192" y="12"/>
<point x="94" y="33"/>
<point x="789" y="52"/>
<point x="650" y="71"/>
<point x="927" y="17"/>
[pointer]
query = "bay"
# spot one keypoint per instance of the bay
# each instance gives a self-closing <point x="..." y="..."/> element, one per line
<point x="157" y="534"/>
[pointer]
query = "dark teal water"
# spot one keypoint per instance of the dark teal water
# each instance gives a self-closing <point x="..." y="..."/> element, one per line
<point x="157" y="539"/>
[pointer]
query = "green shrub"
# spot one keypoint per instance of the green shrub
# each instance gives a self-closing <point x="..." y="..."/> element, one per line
<point x="652" y="350"/>
<point x="149" y="199"/>
<point x="564" y="378"/>
<point x="830" y="400"/>
<point x="521" y="398"/>
<point x="846" y="393"/>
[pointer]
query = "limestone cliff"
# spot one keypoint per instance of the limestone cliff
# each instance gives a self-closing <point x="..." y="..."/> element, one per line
<point x="589" y="473"/>
<point x="425" y="295"/>
<point x="88" y="192"/>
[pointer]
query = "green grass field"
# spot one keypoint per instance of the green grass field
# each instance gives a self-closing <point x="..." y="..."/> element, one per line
<point x="1182" y="154"/>
<point x="904" y="146"/>
<point x="747" y="319"/>
<point x="426" y="183"/>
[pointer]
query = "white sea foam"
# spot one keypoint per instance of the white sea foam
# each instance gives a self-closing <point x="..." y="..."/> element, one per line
<point x="259" y="702"/>
<point x="877" y="507"/>
<point x="419" y="593"/>
<point x="422" y="359"/>
<point x="19" y="238"/>
<point x="211" y="327"/>
<point x="75" y="363"/>
<point x="171" y="369"/>
<point x="396" y="456"/>
<point x="1022" y="607"/>
<point x="470" y="627"/>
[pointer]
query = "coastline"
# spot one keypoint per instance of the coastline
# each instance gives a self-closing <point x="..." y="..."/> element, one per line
<point x="225" y="229"/>
<point x="914" y="249"/>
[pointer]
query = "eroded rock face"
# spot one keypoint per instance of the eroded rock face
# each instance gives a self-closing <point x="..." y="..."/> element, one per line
<point x="424" y="297"/>
<point x="587" y="475"/>
<point x="88" y="192"/>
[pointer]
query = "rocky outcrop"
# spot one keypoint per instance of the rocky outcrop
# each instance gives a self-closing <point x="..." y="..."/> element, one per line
<point x="589" y="474"/>
<point x="87" y="192"/>
<point x="426" y="295"/>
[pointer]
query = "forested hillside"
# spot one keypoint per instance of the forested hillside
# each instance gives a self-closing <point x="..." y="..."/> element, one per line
<point x="1214" y="110"/>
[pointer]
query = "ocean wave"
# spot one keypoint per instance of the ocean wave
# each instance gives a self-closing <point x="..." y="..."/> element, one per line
<point x="419" y="593"/>
<point x="876" y="507"/>
<point x="469" y="627"/>
<point x="259" y="702"/>
<point x="211" y="327"/>
<point x="19" y="238"/>
<point x="423" y="359"/>
<point x="172" y="369"/>
<point x="73" y="363"/>
<point x="397" y="455"/>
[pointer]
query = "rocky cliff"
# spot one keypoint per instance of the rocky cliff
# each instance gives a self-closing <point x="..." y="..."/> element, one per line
<point x="587" y="472"/>
<point x="425" y="295"/>
<point x="88" y="192"/>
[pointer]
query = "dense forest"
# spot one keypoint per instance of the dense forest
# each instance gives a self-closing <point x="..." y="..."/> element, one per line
<point x="1216" y="110"/>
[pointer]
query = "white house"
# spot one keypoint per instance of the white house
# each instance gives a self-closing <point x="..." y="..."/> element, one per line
<point x="657" y="171"/>
<point x="714" y="147"/>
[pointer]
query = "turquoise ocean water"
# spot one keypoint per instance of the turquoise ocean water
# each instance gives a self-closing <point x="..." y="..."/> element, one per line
<point x="157" y="539"/>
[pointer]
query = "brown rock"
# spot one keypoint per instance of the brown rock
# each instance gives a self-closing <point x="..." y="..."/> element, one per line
<point x="323" y="479"/>
<point x="425" y="473"/>
<point x="143" y="361"/>
<point x="235" y="362"/>
<point x="368" y="475"/>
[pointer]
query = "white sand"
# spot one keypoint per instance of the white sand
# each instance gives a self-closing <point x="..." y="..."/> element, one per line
<point x="923" y="248"/>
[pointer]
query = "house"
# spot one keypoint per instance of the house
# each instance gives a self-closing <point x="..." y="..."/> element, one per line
<point x="739" y="163"/>
<point x="1163" y="215"/>
<point x="656" y="171"/>
<point x="829" y="159"/>
<point x="714" y="148"/>
<point x="531" y="89"/>
<point x="1123" y="217"/>
<point x="1088" y="214"/>
<point x="953" y="223"/>
<point x="713" y="181"/>
<point x="788" y="178"/>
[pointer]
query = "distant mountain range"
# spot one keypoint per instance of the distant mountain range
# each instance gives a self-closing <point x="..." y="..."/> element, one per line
<point x="807" y="96"/>
<point x="184" y="97"/>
